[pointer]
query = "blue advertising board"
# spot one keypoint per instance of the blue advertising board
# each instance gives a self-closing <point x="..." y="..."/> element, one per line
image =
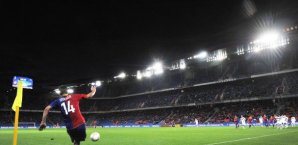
<point x="27" y="82"/>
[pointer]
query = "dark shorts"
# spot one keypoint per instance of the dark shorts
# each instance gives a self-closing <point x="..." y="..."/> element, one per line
<point x="77" y="134"/>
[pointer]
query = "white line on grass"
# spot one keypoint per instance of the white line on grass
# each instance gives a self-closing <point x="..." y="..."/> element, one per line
<point x="248" y="138"/>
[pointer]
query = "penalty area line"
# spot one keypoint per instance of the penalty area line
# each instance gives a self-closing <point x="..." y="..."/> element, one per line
<point x="248" y="138"/>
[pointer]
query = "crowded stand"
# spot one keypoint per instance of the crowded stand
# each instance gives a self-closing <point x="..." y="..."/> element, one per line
<point x="206" y="114"/>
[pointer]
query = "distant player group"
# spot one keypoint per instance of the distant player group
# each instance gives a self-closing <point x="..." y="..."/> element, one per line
<point x="279" y="122"/>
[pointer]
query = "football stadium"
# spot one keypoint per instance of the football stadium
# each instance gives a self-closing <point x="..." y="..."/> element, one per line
<point x="150" y="73"/>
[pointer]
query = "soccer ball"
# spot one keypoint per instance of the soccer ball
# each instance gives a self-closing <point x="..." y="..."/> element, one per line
<point x="95" y="136"/>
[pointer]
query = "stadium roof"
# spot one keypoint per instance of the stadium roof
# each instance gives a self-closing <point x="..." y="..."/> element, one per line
<point x="64" y="42"/>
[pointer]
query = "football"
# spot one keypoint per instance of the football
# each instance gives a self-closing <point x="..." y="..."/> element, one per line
<point x="95" y="136"/>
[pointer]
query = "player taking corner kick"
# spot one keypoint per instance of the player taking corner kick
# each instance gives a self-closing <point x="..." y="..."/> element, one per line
<point x="68" y="104"/>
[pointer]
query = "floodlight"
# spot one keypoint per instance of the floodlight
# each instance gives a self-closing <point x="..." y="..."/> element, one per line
<point x="269" y="40"/>
<point x="157" y="68"/>
<point x="270" y="36"/>
<point x="122" y="75"/>
<point x="57" y="91"/>
<point x="70" y="91"/>
<point x="139" y="75"/>
<point x="201" y="55"/>
<point x="182" y="64"/>
<point x="98" y="83"/>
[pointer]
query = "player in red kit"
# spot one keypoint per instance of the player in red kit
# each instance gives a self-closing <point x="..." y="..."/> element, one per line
<point x="272" y="120"/>
<point x="265" y="120"/>
<point x="68" y="104"/>
<point x="236" y="121"/>
<point x="249" y="120"/>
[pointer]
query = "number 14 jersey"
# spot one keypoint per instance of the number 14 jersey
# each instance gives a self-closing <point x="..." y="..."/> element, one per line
<point x="70" y="109"/>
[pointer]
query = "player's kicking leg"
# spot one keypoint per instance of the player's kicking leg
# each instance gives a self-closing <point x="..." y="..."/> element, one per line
<point x="78" y="134"/>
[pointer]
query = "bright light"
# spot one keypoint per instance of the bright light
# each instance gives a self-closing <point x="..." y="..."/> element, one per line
<point x="217" y="55"/>
<point x="70" y="91"/>
<point x="268" y="40"/>
<point x="121" y="76"/>
<point x="98" y="83"/>
<point x="139" y="75"/>
<point x="157" y="68"/>
<point x="57" y="91"/>
<point x="182" y="64"/>
<point x="271" y="36"/>
<point x="201" y="55"/>
<point x="240" y="51"/>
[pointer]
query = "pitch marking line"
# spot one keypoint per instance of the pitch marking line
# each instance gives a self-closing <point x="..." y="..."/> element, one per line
<point x="248" y="138"/>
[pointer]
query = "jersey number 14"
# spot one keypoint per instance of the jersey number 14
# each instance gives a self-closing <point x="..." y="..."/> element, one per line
<point x="68" y="108"/>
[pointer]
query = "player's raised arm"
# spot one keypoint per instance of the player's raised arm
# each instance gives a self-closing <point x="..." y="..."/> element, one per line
<point x="92" y="93"/>
<point x="44" y="117"/>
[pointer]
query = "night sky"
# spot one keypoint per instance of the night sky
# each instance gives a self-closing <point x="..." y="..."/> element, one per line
<point x="65" y="41"/>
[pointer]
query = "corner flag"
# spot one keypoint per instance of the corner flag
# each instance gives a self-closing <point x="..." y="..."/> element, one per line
<point x="19" y="97"/>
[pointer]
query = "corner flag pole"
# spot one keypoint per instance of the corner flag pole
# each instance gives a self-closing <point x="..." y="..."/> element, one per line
<point x="16" y="107"/>
<point x="16" y="125"/>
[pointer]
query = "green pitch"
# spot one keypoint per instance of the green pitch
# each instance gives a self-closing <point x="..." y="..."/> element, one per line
<point x="160" y="136"/>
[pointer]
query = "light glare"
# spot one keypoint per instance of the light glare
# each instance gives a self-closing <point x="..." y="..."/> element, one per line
<point x="70" y="91"/>
<point x="98" y="83"/>
<point x="57" y="91"/>
<point x="157" y="68"/>
<point x="201" y="55"/>
<point x="139" y="75"/>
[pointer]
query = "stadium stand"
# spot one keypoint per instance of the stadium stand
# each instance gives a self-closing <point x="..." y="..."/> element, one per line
<point x="254" y="84"/>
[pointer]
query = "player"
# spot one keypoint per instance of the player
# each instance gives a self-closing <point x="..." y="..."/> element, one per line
<point x="265" y="120"/>
<point x="293" y="121"/>
<point x="261" y="121"/>
<point x="242" y="119"/>
<point x="236" y="121"/>
<point x="286" y="121"/>
<point x="197" y="122"/>
<point x="70" y="110"/>
<point x="278" y="123"/>
<point x="94" y="124"/>
<point x="272" y="120"/>
<point x="249" y="121"/>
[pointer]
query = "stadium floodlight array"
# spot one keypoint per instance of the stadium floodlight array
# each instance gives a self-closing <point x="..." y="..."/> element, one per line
<point x="268" y="40"/>
<point x="291" y="28"/>
<point x="218" y="55"/>
<point x="156" y="68"/>
<point x="240" y="51"/>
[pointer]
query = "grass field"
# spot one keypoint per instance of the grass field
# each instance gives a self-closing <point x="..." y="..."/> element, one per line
<point x="160" y="136"/>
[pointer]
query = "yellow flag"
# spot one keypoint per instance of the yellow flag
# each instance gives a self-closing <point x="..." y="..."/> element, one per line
<point x="19" y="97"/>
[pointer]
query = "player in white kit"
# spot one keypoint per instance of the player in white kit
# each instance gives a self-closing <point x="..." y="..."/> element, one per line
<point x="261" y="121"/>
<point x="286" y="121"/>
<point x="197" y="122"/>
<point x="293" y="121"/>
<point x="242" y="120"/>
